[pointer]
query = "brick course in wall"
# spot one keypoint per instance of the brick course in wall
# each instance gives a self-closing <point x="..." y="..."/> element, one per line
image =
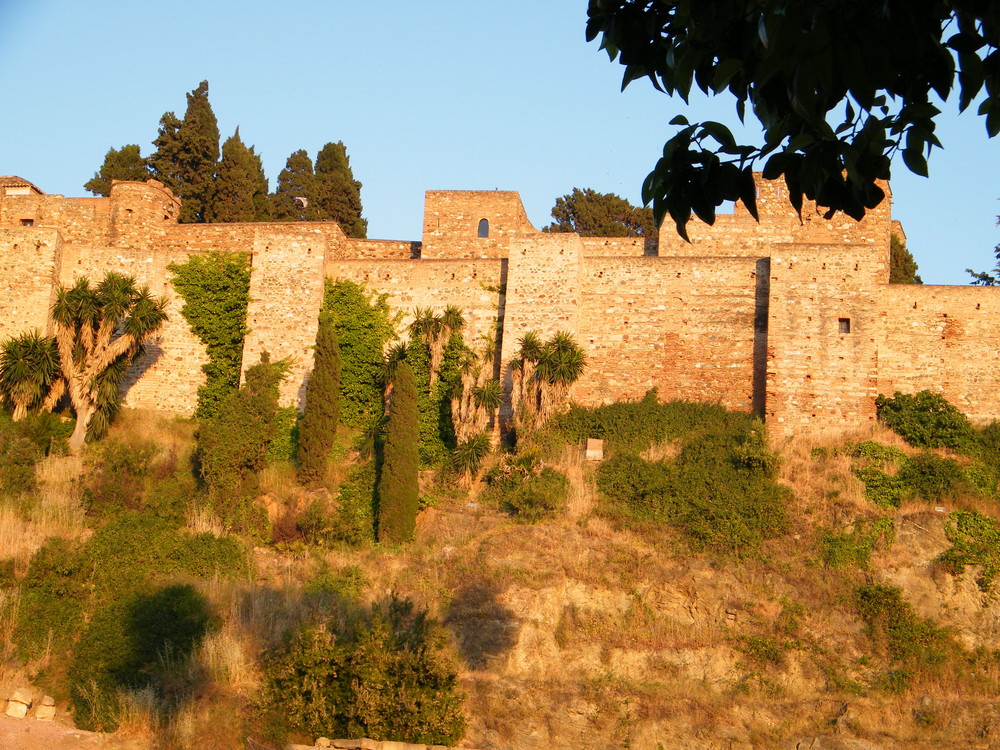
<point x="790" y="318"/>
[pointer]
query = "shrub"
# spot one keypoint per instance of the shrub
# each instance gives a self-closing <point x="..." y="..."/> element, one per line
<point x="633" y="426"/>
<point x="23" y="444"/>
<point x="351" y="520"/>
<point x="131" y="644"/>
<point x="854" y="549"/>
<point x="975" y="540"/>
<point x="387" y="678"/>
<point x="926" y="420"/>
<point x="54" y="592"/>
<point x="930" y="477"/>
<point x="469" y="454"/>
<point x="345" y="584"/>
<point x="910" y="643"/>
<point x="537" y="498"/>
<point x="885" y="490"/>
<point x="284" y="443"/>
<point x="719" y="492"/>
<point x="118" y="477"/>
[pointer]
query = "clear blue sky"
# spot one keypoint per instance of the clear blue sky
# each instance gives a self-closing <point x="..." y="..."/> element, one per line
<point x="455" y="94"/>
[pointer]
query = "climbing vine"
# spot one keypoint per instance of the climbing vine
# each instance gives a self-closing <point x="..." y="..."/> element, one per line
<point x="216" y="292"/>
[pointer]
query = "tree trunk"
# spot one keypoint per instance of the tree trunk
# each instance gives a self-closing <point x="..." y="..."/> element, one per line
<point x="76" y="440"/>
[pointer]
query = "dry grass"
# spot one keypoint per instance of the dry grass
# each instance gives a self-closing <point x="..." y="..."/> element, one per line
<point x="201" y="520"/>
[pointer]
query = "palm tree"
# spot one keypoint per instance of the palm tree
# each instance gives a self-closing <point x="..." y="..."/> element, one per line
<point x="100" y="331"/>
<point x="522" y="368"/>
<point x="560" y="364"/>
<point x="29" y="365"/>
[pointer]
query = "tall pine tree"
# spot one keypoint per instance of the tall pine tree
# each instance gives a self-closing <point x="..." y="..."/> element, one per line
<point x="319" y="425"/>
<point x="398" y="490"/>
<point x="187" y="152"/>
<point x="338" y="194"/>
<point x="295" y="197"/>
<point x="238" y="185"/>
<point x="125" y="163"/>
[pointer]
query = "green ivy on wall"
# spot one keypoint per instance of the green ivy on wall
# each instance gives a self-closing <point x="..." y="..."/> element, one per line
<point x="216" y="292"/>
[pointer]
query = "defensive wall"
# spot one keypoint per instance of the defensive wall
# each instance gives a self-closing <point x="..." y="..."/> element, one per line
<point x="792" y="319"/>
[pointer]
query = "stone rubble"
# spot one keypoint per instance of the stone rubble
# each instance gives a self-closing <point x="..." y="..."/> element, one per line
<point x="20" y="701"/>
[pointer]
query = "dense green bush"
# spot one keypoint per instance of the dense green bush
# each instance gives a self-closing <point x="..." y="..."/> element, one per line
<point x="134" y="643"/>
<point x="285" y="442"/>
<point x="54" y="595"/>
<point x="322" y="408"/>
<point x="23" y="444"/>
<point x="633" y="426"/>
<point x="910" y="643"/>
<point x="929" y="477"/>
<point x="216" y="292"/>
<point x="386" y="678"/>
<point x="854" y="549"/>
<point x="926" y="420"/>
<point x="364" y="325"/>
<point x="719" y="492"/>
<point x="975" y="540"/>
<point x="117" y="479"/>
<point x="537" y="498"/>
<point x="351" y="520"/>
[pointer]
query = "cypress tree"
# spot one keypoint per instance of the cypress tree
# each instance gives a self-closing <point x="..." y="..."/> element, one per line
<point x="338" y="194"/>
<point x="164" y="162"/>
<point x="319" y="424"/>
<point x="125" y="163"/>
<point x="398" y="490"/>
<point x="295" y="196"/>
<point x="236" y="184"/>
<point x="187" y="152"/>
<point x="261" y="199"/>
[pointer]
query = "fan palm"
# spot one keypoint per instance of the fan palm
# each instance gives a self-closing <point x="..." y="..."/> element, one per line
<point x="29" y="365"/>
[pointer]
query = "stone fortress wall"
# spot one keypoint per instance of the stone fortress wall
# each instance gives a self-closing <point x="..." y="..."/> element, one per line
<point x="791" y="319"/>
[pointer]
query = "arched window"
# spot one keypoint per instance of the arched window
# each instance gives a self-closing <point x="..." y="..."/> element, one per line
<point x="484" y="228"/>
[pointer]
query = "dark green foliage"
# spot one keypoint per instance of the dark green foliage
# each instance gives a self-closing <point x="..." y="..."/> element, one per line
<point x="929" y="477"/>
<point x="125" y="163"/>
<point x="537" y="498"/>
<point x="216" y="292"/>
<point x="338" y="194"/>
<point x="232" y="446"/>
<point x="319" y="424"/>
<point x="883" y="489"/>
<point x="343" y="585"/>
<point x="902" y="266"/>
<point x="633" y="426"/>
<point x="29" y="365"/>
<point x="975" y="540"/>
<point x="364" y="326"/>
<point x="910" y="643"/>
<point x="186" y="154"/>
<point x="437" y="430"/>
<point x="285" y="443"/>
<point x="134" y="548"/>
<point x="926" y="420"/>
<point x="53" y="598"/>
<point x="353" y="520"/>
<point x="23" y="444"/>
<point x="398" y="489"/>
<point x="719" y="492"/>
<point x="854" y="549"/>
<point x="837" y="88"/>
<point x="468" y="455"/>
<point x="116" y="482"/>
<point x="133" y="643"/>
<point x="295" y="197"/>
<point x="387" y="678"/>
<point x="240" y="187"/>
<point x="593" y="214"/>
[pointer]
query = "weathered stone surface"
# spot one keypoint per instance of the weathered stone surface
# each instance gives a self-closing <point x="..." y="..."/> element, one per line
<point x="790" y="317"/>
<point x="48" y="700"/>
<point x="16" y="710"/>
<point x="45" y="713"/>
<point x="22" y="695"/>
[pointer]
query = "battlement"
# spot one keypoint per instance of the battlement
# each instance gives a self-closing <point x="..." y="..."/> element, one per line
<point x="792" y="319"/>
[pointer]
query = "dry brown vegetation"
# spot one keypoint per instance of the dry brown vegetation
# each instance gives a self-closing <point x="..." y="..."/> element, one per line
<point x="581" y="632"/>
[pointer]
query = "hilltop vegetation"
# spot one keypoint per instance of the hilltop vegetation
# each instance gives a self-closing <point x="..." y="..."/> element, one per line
<point x="694" y="586"/>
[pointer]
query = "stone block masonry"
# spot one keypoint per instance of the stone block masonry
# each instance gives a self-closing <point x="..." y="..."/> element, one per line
<point x="789" y="318"/>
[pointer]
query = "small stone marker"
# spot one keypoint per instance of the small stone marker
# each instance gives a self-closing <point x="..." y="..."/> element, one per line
<point x="46" y="710"/>
<point x="595" y="450"/>
<point x="19" y="703"/>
